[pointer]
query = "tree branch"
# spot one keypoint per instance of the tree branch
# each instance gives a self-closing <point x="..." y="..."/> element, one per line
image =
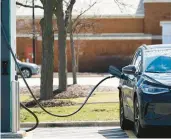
<point x="68" y="12"/>
<point x="29" y="6"/>
<point x="83" y="13"/>
<point x="121" y="4"/>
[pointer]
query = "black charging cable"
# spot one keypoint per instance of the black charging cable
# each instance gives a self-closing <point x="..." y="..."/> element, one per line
<point x="34" y="115"/>
<point x="22" y="105"/>
<point x="67" y="115"/>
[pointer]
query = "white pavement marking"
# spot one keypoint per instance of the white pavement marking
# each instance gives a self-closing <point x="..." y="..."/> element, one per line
<point x="114" y="82"/>
<point x="79" y="133"/>
<point x="130" y="133"/>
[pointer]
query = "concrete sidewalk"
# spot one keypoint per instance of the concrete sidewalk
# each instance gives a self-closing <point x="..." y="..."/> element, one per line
<point x="84" y="80"/>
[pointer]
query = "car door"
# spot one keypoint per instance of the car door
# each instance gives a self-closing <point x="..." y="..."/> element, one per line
<point x="126" y="84"/>
<point x="137" y="62"/>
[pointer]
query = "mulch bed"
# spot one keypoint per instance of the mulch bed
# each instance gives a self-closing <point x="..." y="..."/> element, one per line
<point x="73" y="91"/>
<point x="49" y="103"/>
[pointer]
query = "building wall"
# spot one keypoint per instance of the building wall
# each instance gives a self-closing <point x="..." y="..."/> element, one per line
<point x="97" y="25"/>
<point x="149" y="24"/>
<point x="96" y="55"/>
<point x="93" y="55"/>
<point x="154" y="13"/>
<point x="114" y="25"/>
<point x="22" y="44"/>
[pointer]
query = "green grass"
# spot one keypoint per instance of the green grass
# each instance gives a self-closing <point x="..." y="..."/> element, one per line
<point x="24" y="98"/>
<point x="96" y="112"/>
<point x="98" y="97"/>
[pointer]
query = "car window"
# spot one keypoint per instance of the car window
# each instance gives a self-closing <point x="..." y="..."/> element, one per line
<point x="139" y="67"/>
<point x="137" y="61"/>
<point x="134" y="59"/>
<point x="158" y="62"/>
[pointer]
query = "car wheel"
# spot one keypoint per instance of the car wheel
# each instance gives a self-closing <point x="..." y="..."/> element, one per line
<point x="138" y="130"/>
<point x="125" y="124"/>
<point x="26" y="73"/>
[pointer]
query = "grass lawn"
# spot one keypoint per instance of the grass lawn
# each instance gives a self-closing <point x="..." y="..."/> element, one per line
<point x="91" y="112"/>
<point x="24" y="98"/>
<point x="98" y="97"/>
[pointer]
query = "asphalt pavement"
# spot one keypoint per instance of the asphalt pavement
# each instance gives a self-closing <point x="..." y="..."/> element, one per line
<point x="78" y="133"/>
<point x="99" y="132"/>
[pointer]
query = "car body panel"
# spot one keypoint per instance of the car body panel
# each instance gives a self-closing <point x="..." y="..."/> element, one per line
<point x="155" y="109"/>
<point x="32" y="67"/>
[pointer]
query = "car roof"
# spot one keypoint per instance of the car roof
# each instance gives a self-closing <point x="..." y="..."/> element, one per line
<point x="156" y="46"/>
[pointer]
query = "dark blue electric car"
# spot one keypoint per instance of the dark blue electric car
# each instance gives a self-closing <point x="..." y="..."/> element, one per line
<point x="145" y="95"/>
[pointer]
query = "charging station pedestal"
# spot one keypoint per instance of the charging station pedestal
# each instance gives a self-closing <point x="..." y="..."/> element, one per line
<point x="10" y="106"/>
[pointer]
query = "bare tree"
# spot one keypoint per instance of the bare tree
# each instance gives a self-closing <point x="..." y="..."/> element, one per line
<point x="73" y="24"/>
<point x="63" y="23"/>
<point x="48" y="51"/>
<point x="46" y="88"/>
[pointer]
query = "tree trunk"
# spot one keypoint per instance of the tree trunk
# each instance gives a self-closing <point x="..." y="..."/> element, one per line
<point x="62" y="70"/>
<point x="46" y="90"/>
<point x="74" y="67"/>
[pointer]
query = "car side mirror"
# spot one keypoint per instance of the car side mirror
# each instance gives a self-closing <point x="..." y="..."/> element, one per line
<point x="117" y="73"/>
<point x="130" y="69"/>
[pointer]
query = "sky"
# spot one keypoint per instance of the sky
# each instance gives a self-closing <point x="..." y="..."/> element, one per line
<point x="101" y="8"/>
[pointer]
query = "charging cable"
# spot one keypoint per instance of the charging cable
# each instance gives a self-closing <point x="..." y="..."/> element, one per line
<point x="22" y="105"/>
<point x="56" y="115"/>
<point x="34" y="115"/>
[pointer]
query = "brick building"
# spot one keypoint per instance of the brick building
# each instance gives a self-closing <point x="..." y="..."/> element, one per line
<point x="116" y="33"/>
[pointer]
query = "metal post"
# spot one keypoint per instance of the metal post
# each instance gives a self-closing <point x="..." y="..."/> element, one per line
<point x="8" y="39"/>
<point x="5" y="68"/>
<point x="15" y="107"/>
<point x="34" y="46"/>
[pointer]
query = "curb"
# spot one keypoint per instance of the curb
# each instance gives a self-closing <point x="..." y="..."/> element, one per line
<point x="71" y="124"/>
<point x="10" y="135"/>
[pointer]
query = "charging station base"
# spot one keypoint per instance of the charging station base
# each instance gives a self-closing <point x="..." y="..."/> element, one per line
<point x="10" y="135"/>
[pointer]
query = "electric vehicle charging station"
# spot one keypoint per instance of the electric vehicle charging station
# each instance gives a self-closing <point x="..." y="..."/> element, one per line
<point x="9" y="84"/>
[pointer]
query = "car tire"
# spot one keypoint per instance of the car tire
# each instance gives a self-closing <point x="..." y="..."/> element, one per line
<point x="138" y="130"/>
<point x="26" y="72"/>
<point x="125" y="124"/>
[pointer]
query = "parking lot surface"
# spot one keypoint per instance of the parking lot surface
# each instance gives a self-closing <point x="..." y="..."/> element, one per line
<point x="78" y="133"/>
<point x="93" y="133"/>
